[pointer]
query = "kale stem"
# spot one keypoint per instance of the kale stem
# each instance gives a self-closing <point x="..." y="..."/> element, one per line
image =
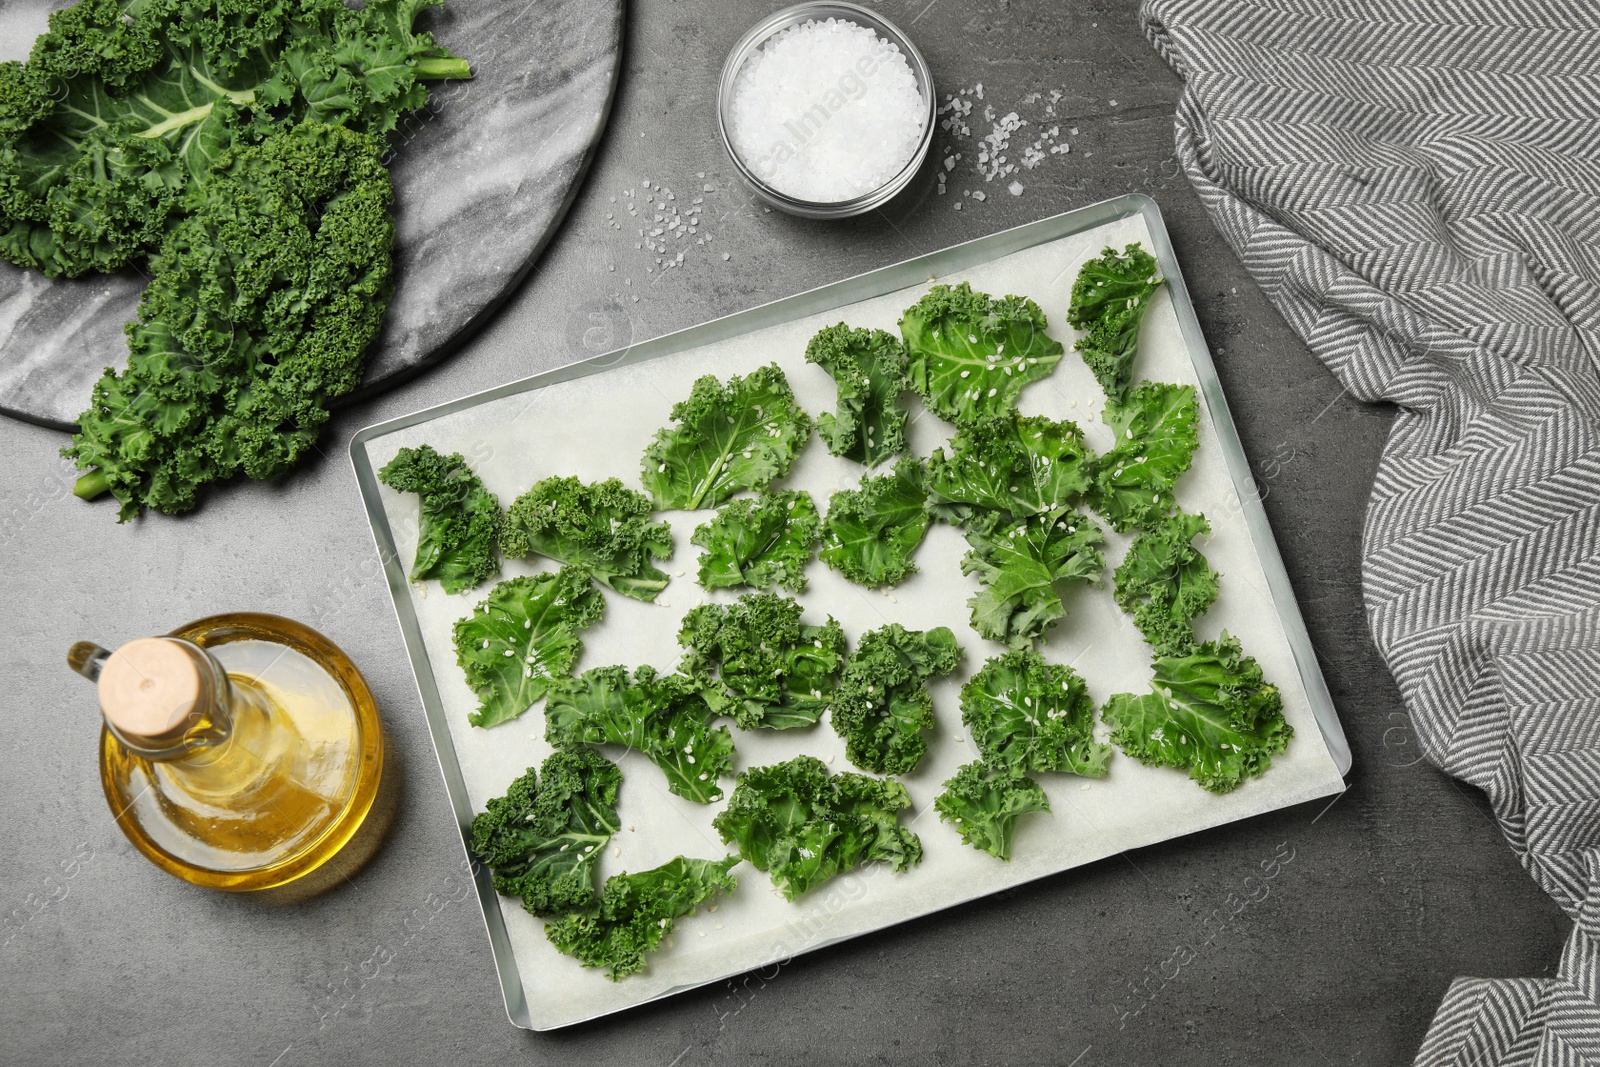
<point x="436" y="69"/>
<point x="91" y="485"/>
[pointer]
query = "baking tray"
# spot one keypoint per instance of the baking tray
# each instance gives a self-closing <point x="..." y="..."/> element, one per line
<point x="594" y="418"/>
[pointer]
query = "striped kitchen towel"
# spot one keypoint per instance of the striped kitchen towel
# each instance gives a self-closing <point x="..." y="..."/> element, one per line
<point x="1416" y="186"/>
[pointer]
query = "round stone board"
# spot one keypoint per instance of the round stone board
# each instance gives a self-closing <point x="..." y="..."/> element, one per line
<point x="482" y="176"/>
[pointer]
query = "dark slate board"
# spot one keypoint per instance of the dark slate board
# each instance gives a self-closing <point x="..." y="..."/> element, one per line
<point x="482" y="178"/>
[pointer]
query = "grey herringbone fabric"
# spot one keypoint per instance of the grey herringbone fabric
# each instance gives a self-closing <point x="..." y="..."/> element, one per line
<point x="1417" y="187"/>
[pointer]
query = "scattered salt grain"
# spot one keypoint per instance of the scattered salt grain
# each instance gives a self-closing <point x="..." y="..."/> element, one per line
<point x="826" y="111"/>
<point x="1015" y="188"/>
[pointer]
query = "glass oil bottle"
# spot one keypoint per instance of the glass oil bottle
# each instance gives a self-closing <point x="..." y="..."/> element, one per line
<point x="240" y="752"/>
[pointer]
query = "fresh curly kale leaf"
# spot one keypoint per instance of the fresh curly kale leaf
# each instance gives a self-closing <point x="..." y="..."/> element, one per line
<point x="1109" y="299"/>
<point x="759" y="542"/>
<point x="772" y="670"/>
<point x="1167" y="583"/>
<point x="459" y="524"/>
<point x="1025" y="713"/>
<point x="541" y="839"/>
<point x="802" y="826"/>
<point x="523" y="637"/>
<point x="123" y="107"/>
<point x="663" y="717"/>
<point x="741" y="435"/>
<point x="260" y="308"/>
<point x="869" y="367"/>
<point x="883" y="704"/>
<point x="971" y="354"/>
<point x="1021" y="465"/>
<point x="604" y="529"/>
<point x="638" y="911"/>
<point x="870" y="532"/>
<point x="1018" y="563"/>
<point x="1210" y="712"/>
<point x="1157" y="431"/>
<point x="984" y="801"/>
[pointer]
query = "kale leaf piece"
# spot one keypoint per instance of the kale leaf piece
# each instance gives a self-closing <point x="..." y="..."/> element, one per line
<point x="1025" y="713"/>
<point x="870" y="532"/>
<point x="772" y="670"/>
<point x="260" y="307"/>
<point x="638" y="911"/>
<point x="759" y="542"/>
<point x="1022" y="465"/>
<point x="1018" y="563"/>
<point x="124" y="108"/>
<point x="663" y="717"/>
<point x="984" y="802"/>
<point x="741" y="435"/>
<point x="803" y="826"/>
<point x="523" y="637"/>
<point x="869" y="367"/>
<point x="604" y="529"/>
<point x="542" y="838"/>
<point x="1157" y="431"/>
<point x="883" y="704"/>
<point x="459" y="525"/>
<point x="1210" y="712"/>
<point x="1167" y="583"/>
<point x="971" y="354"/>
<point x="1109" y="299"/>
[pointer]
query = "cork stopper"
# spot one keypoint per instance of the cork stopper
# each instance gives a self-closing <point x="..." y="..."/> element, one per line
<point x="149" y="687"/>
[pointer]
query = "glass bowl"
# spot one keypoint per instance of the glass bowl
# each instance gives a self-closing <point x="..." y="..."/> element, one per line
<point x="776" y="23"/>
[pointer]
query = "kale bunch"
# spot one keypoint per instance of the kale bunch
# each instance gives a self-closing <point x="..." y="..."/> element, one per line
<point x="234" y="149"/>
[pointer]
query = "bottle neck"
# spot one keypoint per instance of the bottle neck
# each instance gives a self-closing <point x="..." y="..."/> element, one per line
<point x="171" y="705"/>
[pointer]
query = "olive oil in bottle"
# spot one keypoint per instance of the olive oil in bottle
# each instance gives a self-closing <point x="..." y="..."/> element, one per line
<point x="240" y="752"/>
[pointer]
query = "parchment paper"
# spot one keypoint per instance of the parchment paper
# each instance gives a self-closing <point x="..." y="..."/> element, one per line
<point x="598" y="426"/>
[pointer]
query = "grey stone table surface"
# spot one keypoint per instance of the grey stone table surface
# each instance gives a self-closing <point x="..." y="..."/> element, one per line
<point x="1397" y="887"/>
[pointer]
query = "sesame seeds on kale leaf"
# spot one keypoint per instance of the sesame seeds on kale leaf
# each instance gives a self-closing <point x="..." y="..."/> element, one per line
<point x="759" y="542"/>
<point x="726" y="437"/>
<point x="871" y="532"/>
<point x="869" y="367"/>
<point x="664" y="717"/>
<point x="521" y="638"/>
<point x="1109" y="299"/>
<point x="971" y="354"/>
<point x="1210" y="712"/>
<point x="605" y="529"/>
<point x="803" y="826"/>
<point x="770" y="669"/>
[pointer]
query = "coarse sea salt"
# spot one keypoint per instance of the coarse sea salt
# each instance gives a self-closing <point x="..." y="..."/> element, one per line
<point x="826" y="111"/>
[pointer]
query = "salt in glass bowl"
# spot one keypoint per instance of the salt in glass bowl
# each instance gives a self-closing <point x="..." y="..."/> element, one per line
<point x="820" y="11"/>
